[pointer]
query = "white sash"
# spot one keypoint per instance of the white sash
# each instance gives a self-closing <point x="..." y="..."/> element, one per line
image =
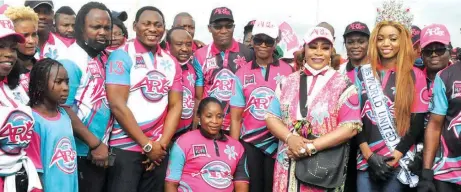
<point x="386" y="124"/>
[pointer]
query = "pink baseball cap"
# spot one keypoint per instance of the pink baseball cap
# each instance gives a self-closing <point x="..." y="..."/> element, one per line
<point x="318" y="33"/>
<point x="434" y="33"/>
<point x="7" y="29"/>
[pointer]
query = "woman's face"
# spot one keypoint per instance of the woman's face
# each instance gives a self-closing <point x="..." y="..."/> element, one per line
<point x="388" y="43"/>
<point x="8" y="55"/>
<point x="318" y="53"/>
<point x="211" y="118"/>
<point x="29" y="30"/>
<point x="117" y="36"/>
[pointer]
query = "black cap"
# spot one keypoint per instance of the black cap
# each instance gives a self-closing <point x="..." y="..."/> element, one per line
<point x="415" y="34"/>
<point x="221" y="13"/>
<point x="356" y="27"/>
<point x="249" y="26"/>
<point x="35" y="4"/>
<point x="123" y="16"/>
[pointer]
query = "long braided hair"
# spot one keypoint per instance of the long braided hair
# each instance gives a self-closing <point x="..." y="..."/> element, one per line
<point x="39" y="77"/>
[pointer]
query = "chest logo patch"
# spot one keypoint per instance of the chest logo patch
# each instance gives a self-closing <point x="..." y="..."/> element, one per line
<point x="200" y="150"/>
<point x="259" y="101"/>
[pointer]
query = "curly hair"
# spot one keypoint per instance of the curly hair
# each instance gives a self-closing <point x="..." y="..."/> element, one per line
<point x="21" y="13"/>
<point x="39" y="76"/>
<point x="404" y="84"/>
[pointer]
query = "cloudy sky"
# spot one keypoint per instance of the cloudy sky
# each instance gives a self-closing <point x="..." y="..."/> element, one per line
<point x="300" y="14"/>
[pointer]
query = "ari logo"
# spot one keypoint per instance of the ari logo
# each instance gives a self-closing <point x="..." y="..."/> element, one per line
<point x="187" y="103"/>
<point x="16" y="132"/>
<point x="64" y="156"/>
<point x="217" y="174"/>
<point x="259" y="101"/>
<point x="154" y="86"/>
<point x="223" y="85"/>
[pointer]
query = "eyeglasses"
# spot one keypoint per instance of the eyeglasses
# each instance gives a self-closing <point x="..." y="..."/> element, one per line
<point x="259" y="41"/>
<point x="219" y="27"/>
<point x="438" y="51"/>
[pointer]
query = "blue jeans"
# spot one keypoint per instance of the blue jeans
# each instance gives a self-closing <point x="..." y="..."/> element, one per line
<point x="366" y="184"/>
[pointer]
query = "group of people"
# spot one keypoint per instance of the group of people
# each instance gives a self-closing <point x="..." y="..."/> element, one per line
<point x="84" y="108"/>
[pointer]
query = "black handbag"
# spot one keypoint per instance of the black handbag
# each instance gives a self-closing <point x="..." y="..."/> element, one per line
<point x="327" y="168"/>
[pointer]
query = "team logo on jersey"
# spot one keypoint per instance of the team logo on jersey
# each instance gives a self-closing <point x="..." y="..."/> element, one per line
<point x="456" y="89"/>
<point x="217" y="174"/>
<point x="51" y="53"/>
<point x="425" y="95"/>
<point x="154" y="86"/>
<point x="259" y="101"/>
<point x="223" y="85"/>
<point x="368" y="110"/>
<point x="140" y="63"/>
<point x="16" y="132"/>
<point x="211" y="63"/>
<point x="248" y="80"/>
<point x="64" y="156"/>
<point x="200" y="150"/>
<point x="187" y="103"/>
<point x="95" y="70"/>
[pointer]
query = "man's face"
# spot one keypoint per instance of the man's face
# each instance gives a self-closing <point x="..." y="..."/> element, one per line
<point x="222" y="32"/>
<point x="188" y="23"/>
<point x="65" y="25"/>
<point x="45" y="18"/>
<point x="97" y="29"/>
<point x="435" y="56"/>
<point x="181" y="45"/>
<point x="149" y="28"/>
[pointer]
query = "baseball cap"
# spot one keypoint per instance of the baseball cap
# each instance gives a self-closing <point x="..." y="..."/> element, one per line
<point x="415" y="34"/>
<point x="123" y="16"/>
<point x="221" y="13"/>
<point x="249" y="26"/>
<point x="318" y="33"/>
<point x="358" y="27"/>
<point x="7" y="29"/>
<point x="34" y="4"/>
<point x="435" y="33"/>
<point x="266" y="27"/>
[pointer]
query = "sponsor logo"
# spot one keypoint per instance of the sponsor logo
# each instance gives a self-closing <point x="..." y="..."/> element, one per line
<point x="259" y="101"/>
<point x="64" y="156"/>
<point x="200" y="150"/>
<point x="456" y="89"/>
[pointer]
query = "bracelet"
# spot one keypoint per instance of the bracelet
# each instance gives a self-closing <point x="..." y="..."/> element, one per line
<point x="93" y="148"/>
<point x="287" y="137"/>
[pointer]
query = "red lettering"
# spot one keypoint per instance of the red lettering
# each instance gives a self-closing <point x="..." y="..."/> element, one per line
<point x="222" y="11"/>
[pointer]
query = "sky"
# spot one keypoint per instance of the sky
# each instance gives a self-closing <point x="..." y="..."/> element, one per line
<point x="300" y="14"/>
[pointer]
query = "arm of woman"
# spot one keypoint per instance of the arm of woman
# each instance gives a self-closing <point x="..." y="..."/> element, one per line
<point x="171" y="186"/>
<point x="175" y="167"/>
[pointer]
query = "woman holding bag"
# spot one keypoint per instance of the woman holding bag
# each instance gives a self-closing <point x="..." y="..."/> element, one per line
<point x="318" y="103"/>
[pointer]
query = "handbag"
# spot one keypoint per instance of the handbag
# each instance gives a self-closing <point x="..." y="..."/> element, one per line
<point x="327" y="168"/>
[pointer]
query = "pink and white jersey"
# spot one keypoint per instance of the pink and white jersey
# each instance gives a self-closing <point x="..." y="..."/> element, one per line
<point x="55" y="48"/>
<point x="188" y="96"/>
<point x="151" y="76"/>
<point x="218" y="69"/>
<point x="199" y="163"/>
<point x="254" y="90"/>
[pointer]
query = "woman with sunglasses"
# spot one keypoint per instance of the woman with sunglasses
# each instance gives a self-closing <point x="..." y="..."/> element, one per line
<point x="314" y="102"/>
<point x="254" y="89"/>
<point x="441" y="173"/>
<point x="18" y="160"/>
<point x="392" y="105"/>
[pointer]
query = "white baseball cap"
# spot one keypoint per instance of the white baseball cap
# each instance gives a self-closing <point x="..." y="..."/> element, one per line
<point x="318" y="33"/>
<point x="266" y="27"/>
<point x="7" y="29"/>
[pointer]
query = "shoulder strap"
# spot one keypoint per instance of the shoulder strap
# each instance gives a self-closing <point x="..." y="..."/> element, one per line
<point x="303" y="95"/>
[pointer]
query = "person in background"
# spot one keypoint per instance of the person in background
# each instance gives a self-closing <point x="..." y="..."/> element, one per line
<point x="53" y="128"/>
<point x="441" y="156"/>
<point x="455" y="55"/>
<point x="18" y="164"/>
<point x="254" y="88"/>
<point x="296" y="112"/>
<point x="220" y="60"/>
<point x="415" y="39"/>
<point x="45" y="12"/>
<point x="64" y="23"/>
<point x="25" y="22"/>
<point x="181" y="42"/>
<point x="207" y="159"/>
<point x="185" y="20"/>
<point x="247" y="34"/>
<point x="119" y="31"/>
<point x="144" y="90"/>
<point x="87" y="103"/>
<point x="356" y="37"/>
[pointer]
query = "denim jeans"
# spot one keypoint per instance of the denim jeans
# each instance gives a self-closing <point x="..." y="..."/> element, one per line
<point x="366" y="184"/>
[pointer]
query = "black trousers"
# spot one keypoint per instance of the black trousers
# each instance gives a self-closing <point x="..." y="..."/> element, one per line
<point x="441" y="186"/>
<point x="129" y="174"/>
<point x="260" y="168"/>
<point x="91" y="178"/>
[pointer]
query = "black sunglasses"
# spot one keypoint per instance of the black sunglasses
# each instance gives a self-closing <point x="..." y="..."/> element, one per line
<point x="259" y="41"/>
<point x="437" y="51"/>
<point x="219" y="27"/>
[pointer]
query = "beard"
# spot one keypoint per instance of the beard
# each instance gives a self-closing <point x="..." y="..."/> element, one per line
<point x="97" y="46"/>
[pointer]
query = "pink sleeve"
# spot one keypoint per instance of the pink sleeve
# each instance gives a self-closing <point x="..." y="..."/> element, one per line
<point x="349" y="112"/>
<point x="34" y="153"/>
<point x="177" y="81"/>
<point x="421" y="96"/>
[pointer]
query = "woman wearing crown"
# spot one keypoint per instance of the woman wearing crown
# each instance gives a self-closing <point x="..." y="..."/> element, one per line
<point x="391" y="104"/>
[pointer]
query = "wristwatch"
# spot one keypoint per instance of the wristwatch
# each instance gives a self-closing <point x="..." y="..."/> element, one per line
<point x="311" y="148"/>
<point x="147" y="148"/>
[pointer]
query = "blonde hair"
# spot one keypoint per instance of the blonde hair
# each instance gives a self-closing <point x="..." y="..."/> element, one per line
<point x="405" y="86"/>
<point x="18" y="14"/>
